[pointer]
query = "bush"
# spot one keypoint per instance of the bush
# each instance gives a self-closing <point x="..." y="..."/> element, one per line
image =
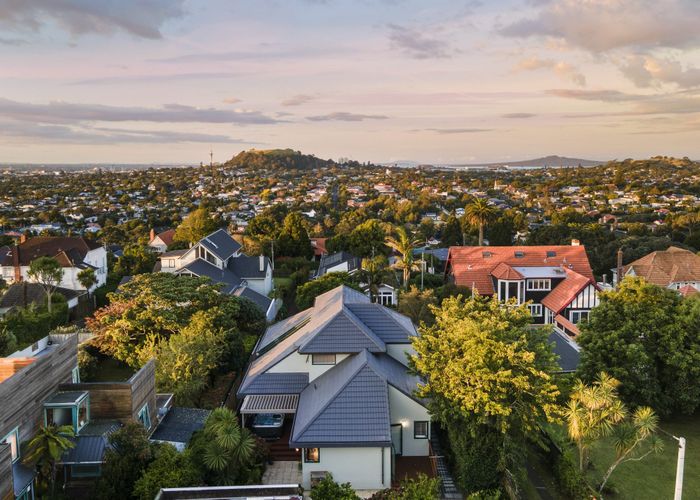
<point x="86" y="363"/>
<point x="32" y="323"/>
<point x="169" y="469"/>
<point x="8" y="342"/>
<point x="327" y="489"/>
<point x="421" y="488"/>
<point x="570" y="481"/>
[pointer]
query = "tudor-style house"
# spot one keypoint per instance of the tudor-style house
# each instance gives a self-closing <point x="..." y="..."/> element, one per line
<point x="336" y="378"/>
<point x="160" y="242"/>
<point x="557" y="281"/>
<point x="73" y="253"/>
<point x="219" y="257"/>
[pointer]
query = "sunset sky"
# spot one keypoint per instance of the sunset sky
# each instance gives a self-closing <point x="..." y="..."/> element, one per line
<point x="127" y="81"/>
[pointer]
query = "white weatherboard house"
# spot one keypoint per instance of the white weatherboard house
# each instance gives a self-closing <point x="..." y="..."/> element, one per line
<point x="218" y="257"/>
<point x="338" y="372"/>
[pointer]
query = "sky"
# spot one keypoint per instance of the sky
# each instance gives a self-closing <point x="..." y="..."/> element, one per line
<point x="462" y="81"/>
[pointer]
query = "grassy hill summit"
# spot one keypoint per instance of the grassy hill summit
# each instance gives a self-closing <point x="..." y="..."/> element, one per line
<point x="282" y="159"/>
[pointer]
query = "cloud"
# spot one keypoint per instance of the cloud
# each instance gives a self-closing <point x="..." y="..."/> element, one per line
<point x="602" y="25"/>
<point x="417" y="44"/>
<point x="153" y="78"/>
<point x="560" y="68"/>
<point x="231" y="100"/>
<point x="15" y="42"/>
<point x="62" y="134"/>
<point x="519" y="115"/>
<point x="606" y="95"/>
<point x="140" y="18"/>
<point x="61" y="112"/>
<point x="648" y="71"/>
<point x="298" y="100"/>
<point x="449" y="131"/>
<point x="343" y="116"/>
<point x="685" y="102"/>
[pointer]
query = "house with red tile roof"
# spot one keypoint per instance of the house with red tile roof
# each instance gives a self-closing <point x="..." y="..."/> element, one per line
<point x="556" y="281"/>
<point x="675" y="268"/>
<point x="161" y="241"/>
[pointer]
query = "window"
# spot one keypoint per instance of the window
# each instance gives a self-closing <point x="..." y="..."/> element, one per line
<point x="386" y="298"/>
<point x="511" y="290"/>
<point x="420" y="429"/>
<point x="535" y="310"/>
<point x="83" y="413"/>
<point x="145" y="417"/>
<point x="312" y="455"/>
<point x="578" y="316"/>
<point x="91" y="470"/>
<point x="519" y="254"/>
<point x="323" y="359"/>
<point x="169" y="262"/>
<point x="13" y="440"/>
<point x="75" y="375"/>
<point x="551" y="253"/>
<point x="539" y="284"/>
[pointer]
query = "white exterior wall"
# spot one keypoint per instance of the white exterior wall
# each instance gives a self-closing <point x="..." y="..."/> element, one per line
<point x="96" y="258"/>
<point x="340" y="268"/>
<point x="680" y="284"/>
<point x="263" y="285"/>
<point x="400" y="352"/>
<point x="405" y="411"/>
<point x="363" y="468"/>
<point x="301" y="363"/>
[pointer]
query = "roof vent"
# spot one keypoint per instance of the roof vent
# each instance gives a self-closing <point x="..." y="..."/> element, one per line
<point x="551" y="253"/>
<point x="519" y="254"/>
<point x="486" y="254"/>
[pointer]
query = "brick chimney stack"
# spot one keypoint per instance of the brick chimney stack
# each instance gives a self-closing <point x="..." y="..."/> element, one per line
<point x="22" y="238"/>
<point x="15" y="264"/>
<point x="152" y="235"/>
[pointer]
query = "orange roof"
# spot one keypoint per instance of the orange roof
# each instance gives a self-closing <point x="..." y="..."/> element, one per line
<point x="474" y="266"/>
<point x="687" y="290"/>
<point x="567" y="324"/>
<point x="167" y="236"/>
<point x="566" y="291"/>
<point x="319" y="245"/>
<point x="504" y="272"/>
<point x="665" y="267"/>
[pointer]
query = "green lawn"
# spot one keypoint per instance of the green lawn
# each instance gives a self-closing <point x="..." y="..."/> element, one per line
<point x="654" y="477"/>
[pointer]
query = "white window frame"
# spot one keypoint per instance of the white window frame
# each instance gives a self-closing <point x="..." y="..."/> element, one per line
<point x="580" y="312"/>
<point x="14" y="450"/>
<point x="75" y="375"/>
<point x="535" y="310"/>
<point x="386" y="298"/>
<point x="520" y="293"/>
<point x="317" y="359"/>
<point x="539" y="285"/>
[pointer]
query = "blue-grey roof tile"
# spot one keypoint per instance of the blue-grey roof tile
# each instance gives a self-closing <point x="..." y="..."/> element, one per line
<point x="566" y="350"/>
<point x="201" y="267"/>
<point x="249" y="267"/>
<point x="22" y="476"/>
<point x="256" y="298"/>
<point x="384" y="322"/>
<point x="344" y="333"/>
<point x="179" y="424"/>
<point x="221" y="244"/>
<point x="87" y="450"/>
<point x="276" y="383"/>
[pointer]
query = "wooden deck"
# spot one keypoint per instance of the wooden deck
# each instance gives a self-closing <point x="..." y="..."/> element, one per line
<point x="410" y="467"/>
<point x="279" y="448"/>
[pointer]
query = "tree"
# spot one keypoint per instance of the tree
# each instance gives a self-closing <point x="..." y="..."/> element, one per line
<point x="307" y="293"/>
<point x="648" y="338"/>
<point x="373" y="273"/>
<point x="367" y="239"/>
<point x="479" y="213"/>
<point x="195" y="226"/>
<point x="226" y="451"/>
<point x="487" y="376"/>
<point x="293" y="240"/>
<point x="169" y="469"/>
<point x="403" y="244"/>
<point x="87" y="278"/>
<point x="451" y="232"/>
<point x="328" y="489"/>
<point x="127" y="457"/>
<point x="48" y="273"/>
<point x="591" y="414"/>
<point x="45" y="450"/>
<point x="418" y="305"/>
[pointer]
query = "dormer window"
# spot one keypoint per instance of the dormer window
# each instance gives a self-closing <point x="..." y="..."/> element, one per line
<point x="486" y="254"/>
<point x="68" y="408"/>
<point x="519" y="254"/>
<point x="551" y="253"/>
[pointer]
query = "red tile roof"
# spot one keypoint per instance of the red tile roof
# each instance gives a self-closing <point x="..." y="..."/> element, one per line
<point x="474" y="266"/>
<point x="566" y="291"/>
<point x="567" y="324"/>
<point x="67" y="250"/>
<point x="166" y="237"/>
<point x="688" y="290"/>
<point x="665" y="267"/>
<point x="319" y="245"/>
<point x="504" y="272"/>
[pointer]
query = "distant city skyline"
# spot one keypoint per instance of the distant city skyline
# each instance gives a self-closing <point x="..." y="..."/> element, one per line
<point x="371" y="80"/>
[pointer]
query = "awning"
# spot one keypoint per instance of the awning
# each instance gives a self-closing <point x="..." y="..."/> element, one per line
<point x="270" y="403"/>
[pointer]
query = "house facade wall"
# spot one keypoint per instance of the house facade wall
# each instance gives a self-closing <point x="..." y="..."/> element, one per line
<point x="261" y="285"/>
<point x="363" y="468"/>
<point x="400" y="352"/>
<point x="584" y="301"/>
<point x="6" y="487"/>
<point x="406" y="411"/>
<point x="302" y="363"/>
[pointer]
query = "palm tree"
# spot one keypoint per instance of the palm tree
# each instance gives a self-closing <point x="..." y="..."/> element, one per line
<point x="46" y="449"/>
<point x="403" y="244"/>
<point x="373" y="271"/>
<point x="479" y="213"/>
<point x="592" y="413"/>
<point x="228" y="445"/>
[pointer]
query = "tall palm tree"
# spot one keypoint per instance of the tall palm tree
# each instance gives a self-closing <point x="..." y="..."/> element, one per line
<point x="373" y="271"/>
<point x="45" y="450"/>
<point x="403" y="244"/>
<point x="479" y="213"/>
<point x="592" y="413"/>
<point x="228" y="446"/>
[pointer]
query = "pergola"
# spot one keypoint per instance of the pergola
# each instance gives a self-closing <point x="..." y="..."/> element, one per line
<point x="269" y="403"/>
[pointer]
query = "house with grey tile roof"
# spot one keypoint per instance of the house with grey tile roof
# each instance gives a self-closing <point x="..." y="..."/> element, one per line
<point x="219" y="257"/>
<point x="338" y="372"/>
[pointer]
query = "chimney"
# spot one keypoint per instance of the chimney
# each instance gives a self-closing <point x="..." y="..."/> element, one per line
<point x="575" y="243"/>
<point x="15" y="264"/>
<point x="152" y="235"/>
<point x="262" y="263"/>
<point x="618" y="272"/>
<point x="22" y="238"/>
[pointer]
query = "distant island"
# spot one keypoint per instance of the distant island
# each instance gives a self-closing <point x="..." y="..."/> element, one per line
<point x="545" y="161"/>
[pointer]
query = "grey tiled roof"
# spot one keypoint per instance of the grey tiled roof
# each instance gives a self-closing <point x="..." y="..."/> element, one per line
<point x="15" y="296"/>
<point x="249" y="267"/>
<point x="22" y="476"/>
<point x="388" y="325"/>
<point x="179" y="424"/>
<point x="334" y="259"/>
<point x="256" y="298"/>
<point x="342" y="333"/>
<point x="566" y="350"/>
<point x="276" y="383"/>
<point x="347" y="405"/>
<point x="201" y="267"/>
<point x="221" y="244"/>
<point x="87" y="450"/>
